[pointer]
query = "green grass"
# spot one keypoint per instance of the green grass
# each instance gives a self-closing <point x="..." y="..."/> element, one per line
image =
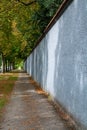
<point x="2" y="102"/>
<point x="7" y="82"/>
<point x="12" y="78"/>
<point x="2" y="77"/>
<point x="7" y="88"/>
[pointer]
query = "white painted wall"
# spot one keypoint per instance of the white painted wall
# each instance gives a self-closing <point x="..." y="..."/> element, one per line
<point x="59" y="62"/>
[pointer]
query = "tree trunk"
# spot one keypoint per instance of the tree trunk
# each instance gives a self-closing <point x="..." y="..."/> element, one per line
<point x="10" y="66"/>
<point x="13" y="65"/>
<point x="3" y="64"/>
<point x="6" y="68"/>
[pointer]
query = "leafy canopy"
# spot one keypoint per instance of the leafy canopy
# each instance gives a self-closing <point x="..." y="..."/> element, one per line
<point x="21" y="24"/>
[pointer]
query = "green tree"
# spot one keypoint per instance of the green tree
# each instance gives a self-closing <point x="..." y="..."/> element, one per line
<point x="21" y="23"/>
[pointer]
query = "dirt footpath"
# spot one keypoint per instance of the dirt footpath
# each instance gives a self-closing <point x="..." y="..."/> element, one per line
<point x="29" y="110"/>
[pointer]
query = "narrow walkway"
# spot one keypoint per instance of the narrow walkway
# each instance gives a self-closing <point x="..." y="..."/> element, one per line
<point x="28" y="110"/>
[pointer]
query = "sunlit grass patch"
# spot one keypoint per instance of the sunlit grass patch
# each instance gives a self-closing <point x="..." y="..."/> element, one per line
<point x="12" y="78"/>
<point x="2" y="77"/>
<point x="8" y="76"/>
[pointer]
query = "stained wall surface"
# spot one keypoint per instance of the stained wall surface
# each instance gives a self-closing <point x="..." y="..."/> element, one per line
<point x="59" y="62"/>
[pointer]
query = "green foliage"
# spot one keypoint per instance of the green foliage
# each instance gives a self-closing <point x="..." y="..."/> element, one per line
<point x="19" y="64"/>
<point x="21" y="24"/>
<point x="47" y="9"/>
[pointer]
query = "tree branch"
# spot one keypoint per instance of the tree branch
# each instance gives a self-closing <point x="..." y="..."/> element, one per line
<point x="27" y="4"/>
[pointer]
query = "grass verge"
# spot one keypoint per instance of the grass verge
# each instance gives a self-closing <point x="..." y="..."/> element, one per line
<point x="7" y="82"/>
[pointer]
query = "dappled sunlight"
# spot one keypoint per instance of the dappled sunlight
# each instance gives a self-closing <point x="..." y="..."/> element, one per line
<point x="6" y="75"/>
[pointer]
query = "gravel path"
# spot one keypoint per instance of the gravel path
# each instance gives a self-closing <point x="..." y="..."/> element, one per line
<point x="28" y="110"/>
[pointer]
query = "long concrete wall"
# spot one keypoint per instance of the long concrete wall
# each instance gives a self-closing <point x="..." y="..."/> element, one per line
<point x="59" y="62"/>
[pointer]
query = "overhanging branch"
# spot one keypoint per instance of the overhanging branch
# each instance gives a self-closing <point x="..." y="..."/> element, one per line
<point x="27" y="4"/>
